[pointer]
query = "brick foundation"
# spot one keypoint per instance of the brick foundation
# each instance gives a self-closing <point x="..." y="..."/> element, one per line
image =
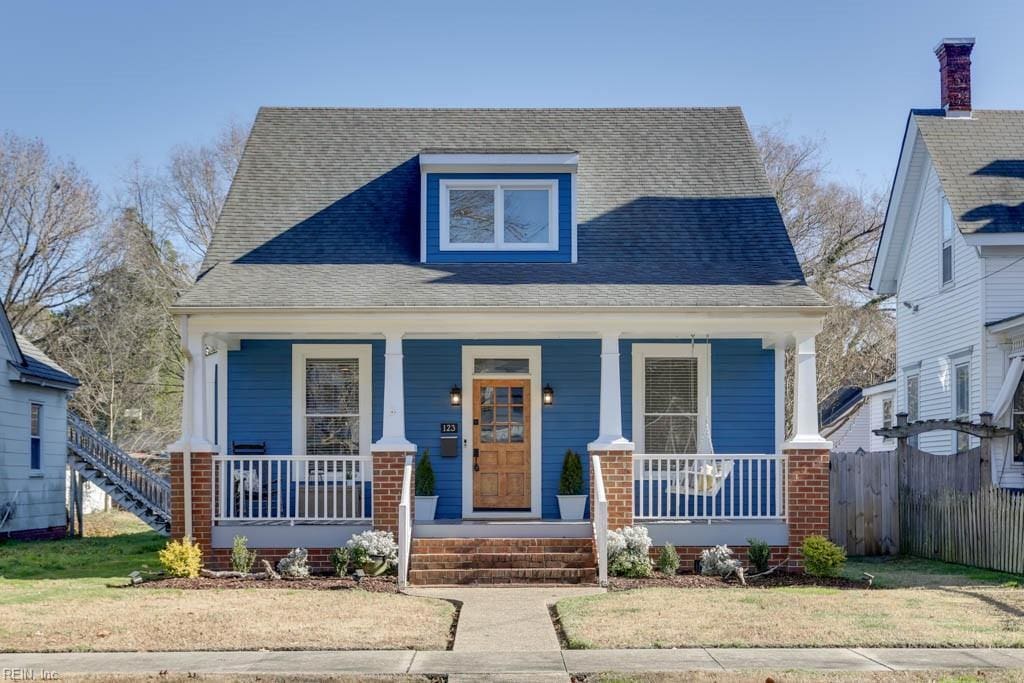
<point x="388" y="470"/>
<point x="202" y="499"/>
<point x="51" y="533"/>
<point x="219" y="559"/>
<point x="689" y="554"/>
<point x="617" y="471"/>
<point x="808" y="500"/>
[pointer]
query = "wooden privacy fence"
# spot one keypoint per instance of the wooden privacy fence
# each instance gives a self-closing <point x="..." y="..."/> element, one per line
<point x="983" y="528"/>
<point x="935" y="506"/>
<point x="864" y="502"/>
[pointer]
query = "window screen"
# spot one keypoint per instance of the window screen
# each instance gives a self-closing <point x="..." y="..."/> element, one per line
<point x="670" y="405"/>
<point x="332" y="406"/>
<point x="962" y="398"/>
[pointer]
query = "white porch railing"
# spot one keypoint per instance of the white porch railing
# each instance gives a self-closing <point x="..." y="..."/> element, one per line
<point x="405" y="523"/>
<point x="600" y="520"/>
<point x="270" y="489"/>
<point x="709" y="487"/>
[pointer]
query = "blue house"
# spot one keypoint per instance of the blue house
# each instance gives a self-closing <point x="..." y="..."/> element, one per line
<point x="496" y="287"/>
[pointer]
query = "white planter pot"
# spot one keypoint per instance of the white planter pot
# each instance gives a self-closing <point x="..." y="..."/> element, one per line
<point x="425" y="508"/>
<point x="571" y="507"/>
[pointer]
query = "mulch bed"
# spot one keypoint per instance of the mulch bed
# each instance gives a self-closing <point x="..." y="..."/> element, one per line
<point x="618" y="583"/>
<point x="381" y="584"/>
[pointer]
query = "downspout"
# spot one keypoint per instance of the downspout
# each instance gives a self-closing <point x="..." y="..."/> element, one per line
<point x="186" y="425"/>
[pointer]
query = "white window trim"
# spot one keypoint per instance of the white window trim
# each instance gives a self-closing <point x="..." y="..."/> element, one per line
<point x="892" y="416"/>
<point x="702" y="352"/>
<point x="300" y="354"/>
<point x="497" y="186"/>
<point x="956" y="362"/>
<point x="38" y="436"/>
<point x="469" y="355"/>
<point x="946" y="242"/>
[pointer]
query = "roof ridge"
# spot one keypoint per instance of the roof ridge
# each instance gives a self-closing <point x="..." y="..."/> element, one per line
<point x="729" y="107"/>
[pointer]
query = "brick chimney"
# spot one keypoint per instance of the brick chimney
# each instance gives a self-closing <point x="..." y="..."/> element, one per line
<point x="955" y="75"/>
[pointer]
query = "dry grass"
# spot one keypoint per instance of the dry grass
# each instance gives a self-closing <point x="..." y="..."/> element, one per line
<point x="246" y="678"/>
<point x="814" y="677"/>
<point x="796" y="617"/>
<point x="110" y="619"/>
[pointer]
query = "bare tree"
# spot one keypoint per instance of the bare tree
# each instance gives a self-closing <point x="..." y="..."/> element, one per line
<point x="834" y="229"/>
<point x="49" y="217"/>
<point x="198" y="178"/>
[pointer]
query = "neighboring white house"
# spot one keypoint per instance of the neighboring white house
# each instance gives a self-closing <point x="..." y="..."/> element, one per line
<point x="33" y="439"/>
<point x="850" y="424"/>
<point x="952" y="253"/>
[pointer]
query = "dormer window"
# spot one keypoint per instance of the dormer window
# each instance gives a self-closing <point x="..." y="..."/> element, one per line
<point x="499" y="215"/>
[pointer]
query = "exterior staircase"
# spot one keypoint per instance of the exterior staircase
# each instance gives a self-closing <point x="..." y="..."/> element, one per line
<point x="132" y="485"/>
<point x="448" y="561"/>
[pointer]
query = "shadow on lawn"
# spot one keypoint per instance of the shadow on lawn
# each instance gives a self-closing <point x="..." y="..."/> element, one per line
<point x="990" y="600"/>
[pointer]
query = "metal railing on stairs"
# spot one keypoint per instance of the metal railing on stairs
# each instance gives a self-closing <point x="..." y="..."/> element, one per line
<point x="131" y="484"/>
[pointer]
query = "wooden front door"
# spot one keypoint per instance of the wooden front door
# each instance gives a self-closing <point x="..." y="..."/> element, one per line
<point x="501" y="444"/>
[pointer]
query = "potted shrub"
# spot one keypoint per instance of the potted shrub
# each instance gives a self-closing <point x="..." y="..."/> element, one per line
<point x="426" y="501"/>
<point x="571" y="499"/>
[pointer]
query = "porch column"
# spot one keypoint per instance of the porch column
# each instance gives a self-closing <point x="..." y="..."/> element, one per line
<point x="391" y="450"/>
<point x="610" y="436"/>
<point x="392" y="438"/>
<point x="805" y="398"/>
<point x="615" y="451"/>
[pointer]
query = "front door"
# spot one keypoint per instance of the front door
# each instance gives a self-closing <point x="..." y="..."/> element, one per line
<point x="501" y="444"/>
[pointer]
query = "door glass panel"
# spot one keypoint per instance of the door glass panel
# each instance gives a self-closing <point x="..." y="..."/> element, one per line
<point x="486" y="434"/>
<point x="517" y="433"/>
<point x="486" y="396"/>
<point x="517" y="395"/>
<point x="501" y="413"/>
<point x="486" y="416"/>
<point x="517" y="415"/>
<point x="501" y="366"/>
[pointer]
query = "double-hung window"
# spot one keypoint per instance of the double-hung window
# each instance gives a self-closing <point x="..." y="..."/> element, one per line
<point x="35" y="435"/>
<point x="670" y="398"/>
<point x="962" y="401"/>
<point x="913" y="384"/>
<point x="1017" y="413"/>
<point x="331" y="399"/>
<point x="948" y="229"/>
<point x="886" y="417"/>
<point x="499" y="215"/>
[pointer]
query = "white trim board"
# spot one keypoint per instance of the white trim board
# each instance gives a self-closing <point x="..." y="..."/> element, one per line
<point x="361" y="352"/>
<point x="533" y="354"/>
<point x="702" y="352"/>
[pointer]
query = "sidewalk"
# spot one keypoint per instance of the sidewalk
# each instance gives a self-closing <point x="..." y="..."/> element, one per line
<point x="552" y="662"/>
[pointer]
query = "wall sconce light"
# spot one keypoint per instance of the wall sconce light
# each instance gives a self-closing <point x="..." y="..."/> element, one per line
<point x="455" y="395"/>
<point x="547" y="395"/>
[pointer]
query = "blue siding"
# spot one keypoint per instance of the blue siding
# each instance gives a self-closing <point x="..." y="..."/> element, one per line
<point x="260" y="392"/>
<point x="742" y="397"/>
<point x="563" y="255"/>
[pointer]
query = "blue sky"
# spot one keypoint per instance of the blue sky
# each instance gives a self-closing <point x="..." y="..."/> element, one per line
<point x="106" y="82"/>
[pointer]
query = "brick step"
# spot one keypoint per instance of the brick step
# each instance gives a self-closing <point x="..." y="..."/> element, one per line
<point x="443" y="577"/>
<point x="500" y="545"/>
<point x="550" y="560"/>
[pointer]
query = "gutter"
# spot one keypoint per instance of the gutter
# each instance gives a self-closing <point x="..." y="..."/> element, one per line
<point x="811" y="311"/>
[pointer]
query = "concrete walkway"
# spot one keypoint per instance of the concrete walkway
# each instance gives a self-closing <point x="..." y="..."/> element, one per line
<point x="509" y="665"/>
<point x="513" y="619"/>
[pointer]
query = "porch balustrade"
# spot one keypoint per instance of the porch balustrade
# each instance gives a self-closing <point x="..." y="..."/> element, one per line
<point x="292" y="489"/>
<point x="709" y="487"/>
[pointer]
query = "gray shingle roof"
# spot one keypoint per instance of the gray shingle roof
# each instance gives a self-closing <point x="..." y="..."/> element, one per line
<point x="980" y="162"/>
<point x="673" y="210"/>
<point x="41" y="366"/>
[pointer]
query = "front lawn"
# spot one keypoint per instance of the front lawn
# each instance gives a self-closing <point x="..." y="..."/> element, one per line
<point x="57" y="596"/>
<point x="930" y="605"/>
<point x="938" y="676"/>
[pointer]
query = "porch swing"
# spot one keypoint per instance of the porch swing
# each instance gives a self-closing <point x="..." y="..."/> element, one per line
<point x="701" y="478"/>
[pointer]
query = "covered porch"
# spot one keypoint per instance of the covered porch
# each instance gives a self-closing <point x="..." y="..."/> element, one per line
<point x="309" y="424"/>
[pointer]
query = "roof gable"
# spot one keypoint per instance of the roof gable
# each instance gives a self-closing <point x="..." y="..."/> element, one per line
<point x="665" y="198"/>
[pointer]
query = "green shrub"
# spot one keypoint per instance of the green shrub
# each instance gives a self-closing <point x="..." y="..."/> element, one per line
<point x="182" y="558"/>
<point x="822" y="557"/>
<point x="571" y="482"/>
<point x="242" y="559"/>
<point x="668" y="560"/>
<point x="630" y="565"/>
<point x="425" y="475"/>
<point x="340" y="559"/>
<point x="758" y="554"/>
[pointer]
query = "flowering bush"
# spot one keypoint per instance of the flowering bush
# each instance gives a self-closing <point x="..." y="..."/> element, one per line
<point x="629" y="552"/>
<point x="294" y="565"/>
<point x="374" y="544"/>
<point x="718" y="561"/>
